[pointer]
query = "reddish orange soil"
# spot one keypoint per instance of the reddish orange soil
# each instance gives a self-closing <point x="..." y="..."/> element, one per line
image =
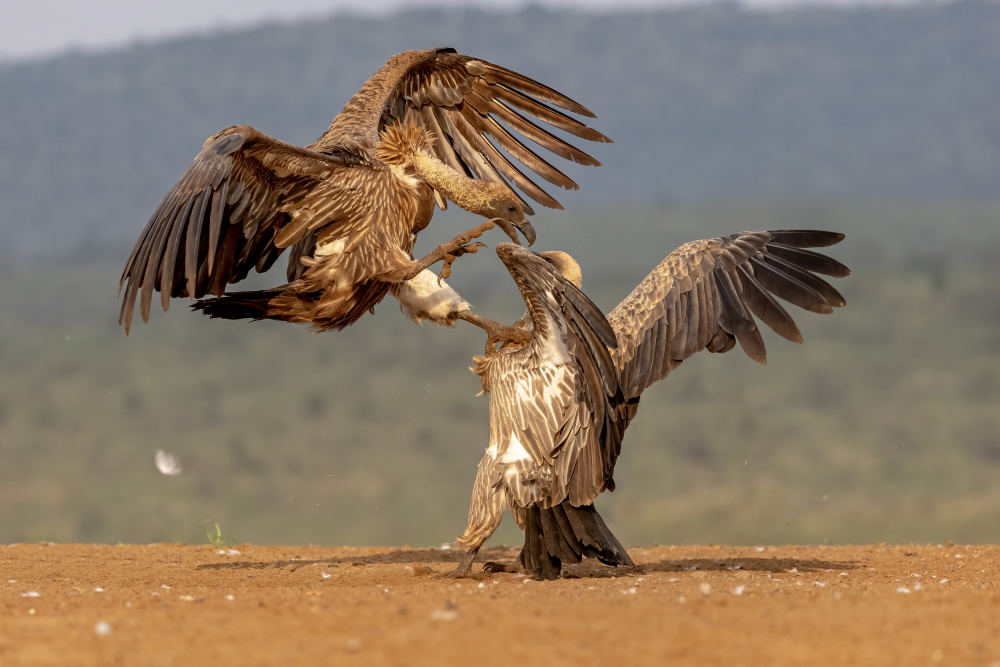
<point x="167" y="604"/>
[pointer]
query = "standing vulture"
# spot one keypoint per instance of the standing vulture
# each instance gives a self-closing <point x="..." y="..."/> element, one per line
<point x="560" y="402"/>
<point x="424" y="129"/>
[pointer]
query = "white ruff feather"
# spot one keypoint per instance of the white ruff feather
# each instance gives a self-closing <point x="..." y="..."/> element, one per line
<point x="399" y="171"/>
<point x="422" y="298"/>
<point x="331" y="249"/>
<point x="515" y="451"/>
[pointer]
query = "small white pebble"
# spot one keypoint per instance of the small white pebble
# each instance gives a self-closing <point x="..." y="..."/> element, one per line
<point x="705" y="588"/>
<point x="958" y="555"/>
<point x="325" y="575"/>
<point x="165" y="586"/>
<point x="230" y="597"/>
<point x="639" y="579"/>
<point x="871" y="569"/>
<point x="914" y="574"/>
<point x="445" y="547"/>
<point x="98" y="589"/>
<point x="481" y="585"/>
<point x="739" y="590"/>
<point x="630" y="591"/>
<point x="760" y="548"/>
<point x="186" y="598"/>
<point x="591" y="588"/>
<point x="794" y="570"/>
<point x="902" y="589"/>
<point x="819" y="583"/>
<point x="103" y="628"/>
<point x="943" y="581"/>
<point x="918" y="587"/>
<point x="31" y="612"/>
<point x="12" y="581"/>
<point x="673" y="580"/>
<point x="843" y="574"/>
<point x="31" y="594"/>
<point x="228" y="552"/>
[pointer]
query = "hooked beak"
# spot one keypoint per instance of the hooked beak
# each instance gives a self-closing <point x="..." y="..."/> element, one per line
<point x="525" y="228"/>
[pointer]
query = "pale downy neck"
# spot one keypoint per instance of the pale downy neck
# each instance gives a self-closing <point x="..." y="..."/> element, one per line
<point x="472" y="195"/>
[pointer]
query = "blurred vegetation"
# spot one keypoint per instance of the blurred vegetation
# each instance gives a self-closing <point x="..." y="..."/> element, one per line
<point x="704" y="103"/>
<point x="884" y="426"/>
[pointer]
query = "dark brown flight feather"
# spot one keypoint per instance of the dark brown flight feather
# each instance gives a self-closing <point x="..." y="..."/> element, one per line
<point x="247" y="197"/>
<point x="560" y="403"/>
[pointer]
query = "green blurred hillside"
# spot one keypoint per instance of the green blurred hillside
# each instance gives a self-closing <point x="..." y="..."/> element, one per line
<point x="883" y="427"/>
<point x="704" y="104"/>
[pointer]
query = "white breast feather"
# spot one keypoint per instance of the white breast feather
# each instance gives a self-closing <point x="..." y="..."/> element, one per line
<point x="515" y="451"/>
<point x="554" y="350"/>
<point x="332" y="249"/>
<point x="399" y="171"/>
<point x="422" y="298"/>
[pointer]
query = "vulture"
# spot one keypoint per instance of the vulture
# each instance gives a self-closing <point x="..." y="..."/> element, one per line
<point x="425" y="129"/>
<point x="562" y="396"/>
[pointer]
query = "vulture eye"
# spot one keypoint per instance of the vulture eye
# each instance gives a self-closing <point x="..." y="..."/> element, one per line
<point x="548" y="260"/>
<point x="512" y="209"/>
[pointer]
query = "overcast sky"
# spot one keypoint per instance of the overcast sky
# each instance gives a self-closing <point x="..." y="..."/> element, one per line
<point x="37" y="28"/>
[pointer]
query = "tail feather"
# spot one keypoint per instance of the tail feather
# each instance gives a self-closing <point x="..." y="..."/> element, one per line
<point x="565" y="533"/>
<point x="238" y="305"/>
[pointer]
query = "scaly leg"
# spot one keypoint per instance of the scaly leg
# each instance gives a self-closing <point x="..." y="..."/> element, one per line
<point x="458" y="246"/>
<point x="498" y="333"/>
<point x="465" y="566"/>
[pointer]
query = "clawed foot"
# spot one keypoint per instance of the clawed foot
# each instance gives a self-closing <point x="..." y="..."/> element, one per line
<point x="498" y="333"/>
<point x="458" y="246"/>
<point x="504" y="335"/>
<point x="493" y="567"/>
<point x="453" y="251"/>
<point x="461" y="245"/>
<point x="465" y="567"/>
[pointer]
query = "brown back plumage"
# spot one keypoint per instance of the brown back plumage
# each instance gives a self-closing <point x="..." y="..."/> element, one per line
<point x="247" y="197"/>
<point x="704" y="295"/>
<point x="559" y="405"/>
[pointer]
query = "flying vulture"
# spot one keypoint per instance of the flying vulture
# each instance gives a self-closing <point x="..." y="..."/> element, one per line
<point x="426" y="128"/>
<point x="561" y="399"/>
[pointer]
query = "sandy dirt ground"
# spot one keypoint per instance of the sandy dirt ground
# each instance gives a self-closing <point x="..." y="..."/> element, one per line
<point x="167" y="604"/>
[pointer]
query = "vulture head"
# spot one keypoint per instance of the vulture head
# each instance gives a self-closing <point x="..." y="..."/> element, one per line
<point x="549" y="284"/>
<point x="502" y="203"/>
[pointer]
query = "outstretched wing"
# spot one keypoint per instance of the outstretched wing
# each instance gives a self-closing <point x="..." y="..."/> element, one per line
<point x="562" y="400"/>
<point x="704" y="296"/>
<point x="470" y="106"/>
<point x="244" y="199"/>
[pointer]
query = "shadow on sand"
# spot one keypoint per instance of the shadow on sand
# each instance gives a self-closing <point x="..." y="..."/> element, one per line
<point x="398" y="556"/>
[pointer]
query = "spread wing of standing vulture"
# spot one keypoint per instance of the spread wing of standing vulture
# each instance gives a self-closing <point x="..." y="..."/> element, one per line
<point x="562" y="397"/>
<point x="427" y="128"/>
